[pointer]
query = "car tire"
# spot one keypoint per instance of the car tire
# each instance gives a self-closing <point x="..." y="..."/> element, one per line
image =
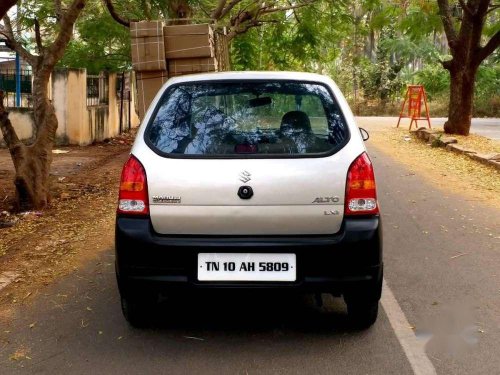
<point x="362" y="303"/>
<point x="362" y="314"/>
<point x="137" y="304"/>
<point x="137" y="311"/>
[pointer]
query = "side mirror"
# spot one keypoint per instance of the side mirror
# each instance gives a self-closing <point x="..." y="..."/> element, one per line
<point x="364" y="134"/>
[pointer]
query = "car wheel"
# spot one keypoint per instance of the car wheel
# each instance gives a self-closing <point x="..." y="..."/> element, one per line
<point x="137" y="311"/>
<point x="362" y="314"/>
<point x="362" y="304"/>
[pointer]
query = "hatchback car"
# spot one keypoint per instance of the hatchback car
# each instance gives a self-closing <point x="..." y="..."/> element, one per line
<point x="254" y="180"/>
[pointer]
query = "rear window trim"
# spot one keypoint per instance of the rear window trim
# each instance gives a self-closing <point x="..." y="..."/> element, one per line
<point x="333" y="151"/>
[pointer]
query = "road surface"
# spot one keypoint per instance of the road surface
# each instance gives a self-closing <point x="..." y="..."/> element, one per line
<point x="487" y="127"/>
<point x="441" y="309"/>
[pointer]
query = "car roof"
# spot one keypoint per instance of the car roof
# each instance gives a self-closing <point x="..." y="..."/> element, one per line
<point x="251" y="75"/>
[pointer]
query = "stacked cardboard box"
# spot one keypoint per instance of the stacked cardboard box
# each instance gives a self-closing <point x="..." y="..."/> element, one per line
<point x="148" y="85"/>
<point x="148" y="50"/>
<point x="194" y="65"/>
<point x="189" y="49"/>
<point x="159" y="52"/>
<point x="148" y="60"/>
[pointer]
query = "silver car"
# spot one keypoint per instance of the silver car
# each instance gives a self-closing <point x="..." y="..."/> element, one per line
<point x="255" y="180"/>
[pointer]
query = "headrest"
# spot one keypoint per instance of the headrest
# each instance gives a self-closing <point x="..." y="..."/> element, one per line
<point x="295" y="122"/>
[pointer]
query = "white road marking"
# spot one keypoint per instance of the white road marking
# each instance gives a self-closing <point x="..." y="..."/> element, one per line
<point x="6" y="278"/>
<point x="413" y="348"/>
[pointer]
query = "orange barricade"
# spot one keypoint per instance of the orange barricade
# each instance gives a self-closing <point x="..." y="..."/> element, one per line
<point x="415" y="94"/>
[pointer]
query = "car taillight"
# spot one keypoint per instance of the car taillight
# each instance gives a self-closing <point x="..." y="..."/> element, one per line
<point x="361" y="193"/>
<point x="133" y="196"/>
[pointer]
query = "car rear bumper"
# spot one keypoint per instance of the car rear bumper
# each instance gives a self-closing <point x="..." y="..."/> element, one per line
<point x="350" y="259"/>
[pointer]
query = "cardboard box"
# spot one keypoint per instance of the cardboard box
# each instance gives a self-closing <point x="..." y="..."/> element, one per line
<point x="178" y="67"/>
<point x="188" y="41"/>
<point x="188" y="46"/>
<point x="148" y="85"/>
<point x="203" y="29"/>
<point x="148" y="46"/>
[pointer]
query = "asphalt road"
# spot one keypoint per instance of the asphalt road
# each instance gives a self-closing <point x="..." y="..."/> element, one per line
<point x="487" y="127"/>
<point x="442" y="256"/>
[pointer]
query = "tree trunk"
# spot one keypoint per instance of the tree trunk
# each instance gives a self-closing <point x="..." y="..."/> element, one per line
<point x="461" y="99"/>
<point x="32" y="163"/>
<point x="32" y="177"/>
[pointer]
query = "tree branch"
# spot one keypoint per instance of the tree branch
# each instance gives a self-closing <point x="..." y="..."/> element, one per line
<point x="38" y="37"/>
<point x="492" y="8"/>
<point x="274" y="9"/>
<point x="13" y="44"/>
<point x="294" y="12"/>
<point x="57" y="48"/>
<point x="489" y="48"/>
<point x="215" y="14"/>
<point x="112" y="11"/>
<point x="5" y="5"/>
<point x="246" y="19"/>
<point x="241" y="29"/>
<point x="481" y="10"/>
<point x="449" y="28"/>
<point x="466" y="8"/>
<point x="447" y="64"/>
<point x="229" y="7"/>
<point x="58" y="8"/>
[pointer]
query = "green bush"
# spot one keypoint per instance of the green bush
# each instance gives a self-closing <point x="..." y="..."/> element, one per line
<point x="487" y="91"/>
<point x="435" y="79"/>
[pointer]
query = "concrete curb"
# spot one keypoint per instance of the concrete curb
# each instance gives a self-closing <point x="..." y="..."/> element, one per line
<point x="450" y="144"/>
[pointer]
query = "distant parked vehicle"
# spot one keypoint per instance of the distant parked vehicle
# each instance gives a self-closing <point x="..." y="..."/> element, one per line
<point x="249" y="180"/>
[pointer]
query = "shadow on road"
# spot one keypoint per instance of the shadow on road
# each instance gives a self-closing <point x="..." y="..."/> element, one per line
<point x="231" y="311"/>
<point x="76" y="325"/>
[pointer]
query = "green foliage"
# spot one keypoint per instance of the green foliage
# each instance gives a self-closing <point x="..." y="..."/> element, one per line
<point x="435" y="79"/>
<point x="381" y="80"/>
<point x="372" y="48"/>
<point x="102" y="43"/>
<point x="420" y="21"/>
<point x="245" y="51"/>
<point x="487" y="90"/>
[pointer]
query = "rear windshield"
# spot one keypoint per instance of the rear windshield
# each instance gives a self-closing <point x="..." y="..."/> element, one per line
<point x="251" y="118"/>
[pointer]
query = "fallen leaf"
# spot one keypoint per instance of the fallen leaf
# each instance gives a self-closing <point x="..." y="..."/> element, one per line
<point x="194" y="338"/>
<point x="458" y="255"/>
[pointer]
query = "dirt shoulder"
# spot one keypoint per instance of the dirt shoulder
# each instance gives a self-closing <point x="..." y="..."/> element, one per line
<point x="451" y="172"/>
<point x="79" y="223"/>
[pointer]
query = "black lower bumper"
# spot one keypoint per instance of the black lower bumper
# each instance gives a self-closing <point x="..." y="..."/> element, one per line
<point x="350" y="259"/>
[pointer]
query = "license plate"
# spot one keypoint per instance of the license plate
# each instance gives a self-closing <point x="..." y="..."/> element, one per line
<point x="246" y="267"/>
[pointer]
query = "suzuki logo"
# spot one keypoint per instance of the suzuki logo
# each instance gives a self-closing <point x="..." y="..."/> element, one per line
<point x="245" y="176"/>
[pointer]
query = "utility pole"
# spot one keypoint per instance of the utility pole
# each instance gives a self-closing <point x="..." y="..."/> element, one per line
<point x="18" y="80"/>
